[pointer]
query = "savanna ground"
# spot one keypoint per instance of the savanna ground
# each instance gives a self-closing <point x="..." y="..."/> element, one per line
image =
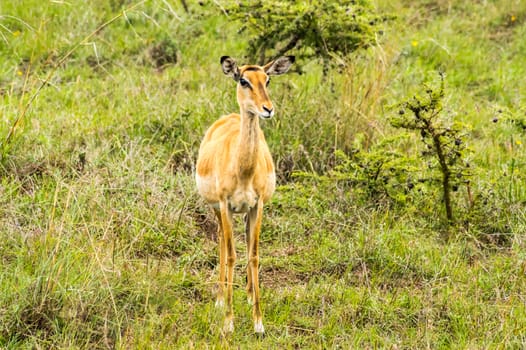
<point x="106" y="244"/>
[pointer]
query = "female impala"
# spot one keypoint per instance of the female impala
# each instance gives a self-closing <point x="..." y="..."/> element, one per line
<point x="235" y="174"/>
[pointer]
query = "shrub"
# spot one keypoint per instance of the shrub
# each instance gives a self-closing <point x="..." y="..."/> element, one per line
<point x="318" y="29"/>
<point x="443" y="139"/>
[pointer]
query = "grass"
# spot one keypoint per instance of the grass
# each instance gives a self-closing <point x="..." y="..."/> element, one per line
<point x="106" y="244"/>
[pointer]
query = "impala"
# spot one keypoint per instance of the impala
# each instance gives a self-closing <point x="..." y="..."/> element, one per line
<point x="235" y="175"/>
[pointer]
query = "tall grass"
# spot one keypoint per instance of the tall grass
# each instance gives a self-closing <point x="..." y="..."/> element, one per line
<point x="105" y="243"/>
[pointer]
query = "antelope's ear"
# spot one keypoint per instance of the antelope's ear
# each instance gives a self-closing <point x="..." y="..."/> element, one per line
<point x="230" y="67"/>
<point x="279" y="66"/>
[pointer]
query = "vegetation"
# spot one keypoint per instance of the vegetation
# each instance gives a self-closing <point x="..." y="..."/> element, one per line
<point x="444" y="140"/>
<point x="320" y="30"/>
<point x="106" y="244"/>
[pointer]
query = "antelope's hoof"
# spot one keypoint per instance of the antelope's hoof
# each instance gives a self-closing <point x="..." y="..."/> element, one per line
<point x="228" y="327"/>
<point x="259" y="329"/>
<point x="220" y="303"/>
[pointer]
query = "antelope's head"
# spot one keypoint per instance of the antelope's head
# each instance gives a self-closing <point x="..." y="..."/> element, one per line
<point x="253" y="80"/>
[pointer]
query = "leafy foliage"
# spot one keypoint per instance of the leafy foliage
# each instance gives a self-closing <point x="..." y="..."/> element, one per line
<point x="444" y="141"/>
<point x="316" y="29"/>
<point x="380" y="173"/>
<point x="517" y="118"/>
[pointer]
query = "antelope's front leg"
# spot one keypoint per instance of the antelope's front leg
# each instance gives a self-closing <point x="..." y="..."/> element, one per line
<point x="254" y="225"/>
<point x="248" y="229"/>
<point x="220" y="299"/>
<point x="228" y="244"/>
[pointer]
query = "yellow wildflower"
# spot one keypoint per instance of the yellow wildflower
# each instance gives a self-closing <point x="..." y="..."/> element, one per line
<point x="518" y="142"/>
<point x="513" y="18"/>
<point x="16" y="33"/>
<point x="19" y="72"/>
<point x="414" y="43"/>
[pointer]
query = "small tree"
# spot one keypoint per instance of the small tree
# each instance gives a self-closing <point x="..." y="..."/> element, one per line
<point x="315" y="29"/>
<point x="443" y="139"/>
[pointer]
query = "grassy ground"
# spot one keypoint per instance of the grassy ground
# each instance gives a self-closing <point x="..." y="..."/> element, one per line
<point x="105" y="243"/>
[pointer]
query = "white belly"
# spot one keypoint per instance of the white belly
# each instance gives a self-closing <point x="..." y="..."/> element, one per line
<point x="241" y="200"/>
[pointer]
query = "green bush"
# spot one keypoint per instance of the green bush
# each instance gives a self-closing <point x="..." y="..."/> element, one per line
<point x="444" y="140"/>
<point x="314" y="30"/>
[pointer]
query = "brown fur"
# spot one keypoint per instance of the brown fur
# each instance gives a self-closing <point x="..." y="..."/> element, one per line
<point x="235" y="174"/>
<point x="219" y="149"/>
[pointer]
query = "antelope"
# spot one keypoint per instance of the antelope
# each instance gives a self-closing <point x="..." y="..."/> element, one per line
<point x="235" y="175"/>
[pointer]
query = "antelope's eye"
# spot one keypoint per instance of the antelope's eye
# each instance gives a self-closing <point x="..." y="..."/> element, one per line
<point x="244" y="83"/>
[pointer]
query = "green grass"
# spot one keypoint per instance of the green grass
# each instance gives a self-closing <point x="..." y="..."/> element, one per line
<point x="106" y="244"/>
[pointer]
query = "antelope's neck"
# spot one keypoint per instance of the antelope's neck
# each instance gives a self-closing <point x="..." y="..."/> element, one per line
<point x="248" y="145"/>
